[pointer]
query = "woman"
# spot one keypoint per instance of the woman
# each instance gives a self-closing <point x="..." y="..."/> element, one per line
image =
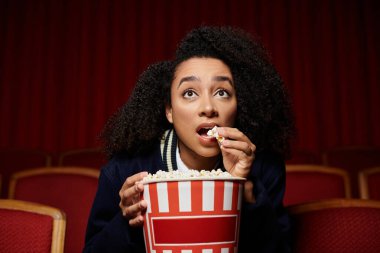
<point x="220" y="77"/>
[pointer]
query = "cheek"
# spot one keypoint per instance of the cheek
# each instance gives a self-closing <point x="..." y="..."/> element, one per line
<point x="231" y="118"/>
<point x="230" y="114"/>
<point x="180" y="113"/>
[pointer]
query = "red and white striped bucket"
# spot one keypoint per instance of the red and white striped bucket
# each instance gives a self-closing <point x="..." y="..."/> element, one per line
<point x="192" y="215"/>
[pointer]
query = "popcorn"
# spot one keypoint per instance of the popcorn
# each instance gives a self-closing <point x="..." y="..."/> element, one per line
<point x="190" y="174"/>
<point x="214" y="133"/>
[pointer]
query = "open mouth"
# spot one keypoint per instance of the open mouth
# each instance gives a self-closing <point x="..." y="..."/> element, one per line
<point x="203" y="131"/>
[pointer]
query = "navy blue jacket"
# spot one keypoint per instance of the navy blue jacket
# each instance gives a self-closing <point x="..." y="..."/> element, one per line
<point x="264" y="225"/>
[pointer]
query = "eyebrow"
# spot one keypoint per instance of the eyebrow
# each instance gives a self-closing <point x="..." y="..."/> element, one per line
<point x="223" y="79"/>
<point x="216" y="78"/>
<point x="188" y="79"/>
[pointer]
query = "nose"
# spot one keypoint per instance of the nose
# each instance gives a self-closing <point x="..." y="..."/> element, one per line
<point x="207" y="107"/>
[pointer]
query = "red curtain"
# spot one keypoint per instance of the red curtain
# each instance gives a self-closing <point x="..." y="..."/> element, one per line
<point x="67" y="65"/>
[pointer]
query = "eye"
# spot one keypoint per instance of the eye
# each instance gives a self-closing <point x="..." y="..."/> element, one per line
<point x="222" y="93"/>
<point x="189" y="94"/>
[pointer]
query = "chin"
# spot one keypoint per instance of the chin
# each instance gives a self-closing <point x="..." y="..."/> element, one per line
<point x="209" y="153"/>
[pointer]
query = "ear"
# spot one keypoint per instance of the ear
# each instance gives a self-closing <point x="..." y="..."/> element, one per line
<point x="169" y="114"/>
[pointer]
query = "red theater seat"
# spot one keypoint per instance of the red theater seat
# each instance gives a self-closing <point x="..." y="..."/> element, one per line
<point x="369" y="183"/>
<point x="315" y="182"/>
<point x="337" y="225"/>
<point x="71" y="189"/>
<point x="31" y="227"/>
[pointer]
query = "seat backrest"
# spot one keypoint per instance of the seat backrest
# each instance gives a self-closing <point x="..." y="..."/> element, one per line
<point x="71" y="189"/>
<point x="31" y="227"/>
<point x="91" y="157"/>
<point x="13" y="160"/>
<point x="369" y="183"/>
<point x="352" y="159"/>
<point x="315" y="182"/>
<point x="337" y="225"/>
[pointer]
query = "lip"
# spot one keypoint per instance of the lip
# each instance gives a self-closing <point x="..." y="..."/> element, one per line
<point x="207" y="140"/>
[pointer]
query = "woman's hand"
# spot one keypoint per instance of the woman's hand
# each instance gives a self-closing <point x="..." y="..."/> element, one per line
<point x="238" y="151"/>
<point x="131" y="205"/>
<point x="238" y="155"/>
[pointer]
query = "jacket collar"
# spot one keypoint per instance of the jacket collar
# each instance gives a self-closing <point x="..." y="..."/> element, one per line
<point x="168" y="149"/>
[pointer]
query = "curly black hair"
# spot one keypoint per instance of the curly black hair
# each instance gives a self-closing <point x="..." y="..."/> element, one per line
<point x="264" y="111"/>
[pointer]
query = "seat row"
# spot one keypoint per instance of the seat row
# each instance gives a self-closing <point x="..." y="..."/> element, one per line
<point x="333" y="225"/>
<point x="350" y="158"/>
<point x="68" y="187"/>
<point x="304" y="182"/>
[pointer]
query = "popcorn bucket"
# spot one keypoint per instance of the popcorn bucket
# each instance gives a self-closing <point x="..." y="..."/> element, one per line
<point x="192" y="215"/>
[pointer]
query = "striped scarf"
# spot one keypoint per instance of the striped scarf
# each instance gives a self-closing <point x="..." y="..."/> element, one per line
<point x="168" y="151"/>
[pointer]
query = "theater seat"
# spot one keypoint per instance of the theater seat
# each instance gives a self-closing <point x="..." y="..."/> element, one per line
<point x="31" y="227"/>
<point x="336" y="225"/>
<point x="369" y="183"/>
<point x="71" y="189"/>
<point x="315" y="182"/>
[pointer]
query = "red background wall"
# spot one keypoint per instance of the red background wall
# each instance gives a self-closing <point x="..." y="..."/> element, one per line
<point x="67" y="65"/>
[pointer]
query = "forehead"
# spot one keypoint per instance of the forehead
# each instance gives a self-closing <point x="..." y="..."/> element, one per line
<point x="202" y="66"/>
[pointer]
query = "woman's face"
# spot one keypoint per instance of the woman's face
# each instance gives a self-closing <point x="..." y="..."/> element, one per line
<point x="202" y="96"/>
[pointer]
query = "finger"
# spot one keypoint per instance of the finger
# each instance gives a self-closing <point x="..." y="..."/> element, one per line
<point x="232" y="133"/>
<point x="132" y="211"/>
<point x="237" y="163"/>
<point x="136" y="222"/>
<point x="131" y="181"/>
<point x="245" y="147"/>
<point x="132" y="194"/>
<point x="236" y="154"/>
<point x="242" y="143"/>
